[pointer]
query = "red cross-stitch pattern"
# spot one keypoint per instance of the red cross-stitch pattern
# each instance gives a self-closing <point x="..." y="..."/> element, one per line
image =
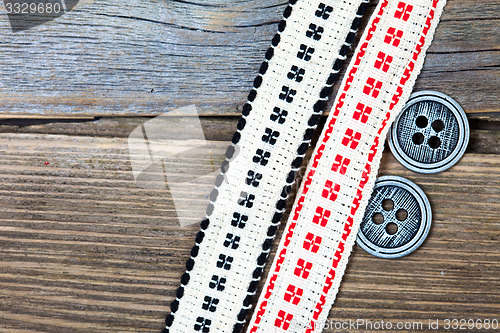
<point x="293" y="294"/>
<point x="303" y="268"/>
<point x="362" y="112"/>
<point x="365" y="176"/>
<point x="312" y="242"/>
<point x="403" y="11"/>
<point x="393" y="36"/>
<point x="383" y="61"/>
<point x="321" y="216"/>
<point x="372" y="87"/>
<point x="331" y="190"/>
<point x="350" y="139"/>
<point x="341" y="163"/>
<point x="283" y="320"/>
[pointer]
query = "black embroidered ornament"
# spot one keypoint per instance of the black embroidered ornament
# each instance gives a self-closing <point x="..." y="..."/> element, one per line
<point x="272" y="137"/>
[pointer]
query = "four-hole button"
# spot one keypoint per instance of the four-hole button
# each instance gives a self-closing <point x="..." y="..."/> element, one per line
<point x="431" y="133"/>
<point x="397" y="219"/>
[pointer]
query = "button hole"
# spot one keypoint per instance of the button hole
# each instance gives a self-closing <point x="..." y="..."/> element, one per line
<point x="401" y="214"/>
<point x="387" y="204"/>
<point x="421" y="121"/>
<point x="391" y="228"/>
<point x="434" y="142"/>
<point x="418" y="138"/>
<point x="437" y="125"/>
<point x="378" y="218"/>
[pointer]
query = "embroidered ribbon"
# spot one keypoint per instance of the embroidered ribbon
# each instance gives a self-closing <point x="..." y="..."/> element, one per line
<point x="272" y="137"/>
<point x="318" y="239"/>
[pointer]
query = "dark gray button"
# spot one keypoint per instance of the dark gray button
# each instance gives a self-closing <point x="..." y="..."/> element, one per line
<point x="397" y="219"/>
<point x="431" y="133"/>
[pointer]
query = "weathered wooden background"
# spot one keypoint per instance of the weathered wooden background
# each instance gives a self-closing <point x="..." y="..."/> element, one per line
<point x="144" y="57"/>
<point x="84" y="249"/>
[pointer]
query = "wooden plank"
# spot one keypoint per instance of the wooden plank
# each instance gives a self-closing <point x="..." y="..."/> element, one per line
<point x="84" y="249"/>
<point x="148" y="57"/>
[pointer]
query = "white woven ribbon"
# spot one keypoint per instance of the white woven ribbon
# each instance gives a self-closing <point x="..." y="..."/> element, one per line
<point x="272" y="138"/>
<point x="313" y="253"/>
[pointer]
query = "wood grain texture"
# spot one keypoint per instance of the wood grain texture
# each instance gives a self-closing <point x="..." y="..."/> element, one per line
<point x="147" y="57"/>
<point x="83" y="249"/>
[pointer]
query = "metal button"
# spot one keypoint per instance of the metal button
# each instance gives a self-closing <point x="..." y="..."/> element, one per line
<point x="397" y="219"/>
<point x="431" y="133"/>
